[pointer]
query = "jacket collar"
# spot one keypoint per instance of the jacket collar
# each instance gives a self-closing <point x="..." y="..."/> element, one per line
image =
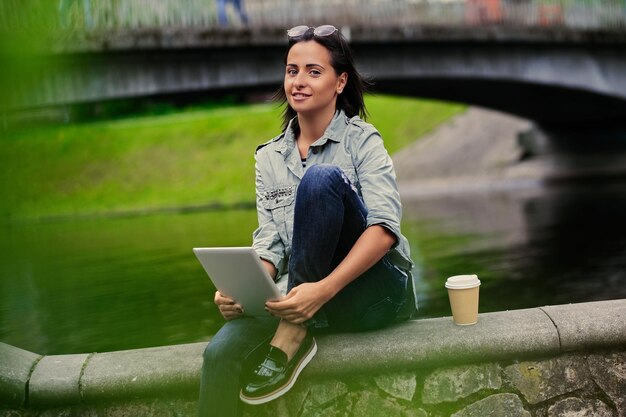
<point x="334" y="132"/>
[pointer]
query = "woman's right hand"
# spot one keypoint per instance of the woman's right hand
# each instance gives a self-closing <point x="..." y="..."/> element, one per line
<point x="228" y="308"/>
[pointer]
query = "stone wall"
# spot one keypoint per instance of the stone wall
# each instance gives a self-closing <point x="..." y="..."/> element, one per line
<point x="576" y="385"/>
<point x="545" y="362"/>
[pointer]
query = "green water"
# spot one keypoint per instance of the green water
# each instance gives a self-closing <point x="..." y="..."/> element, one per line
<point x="111" y="284"/>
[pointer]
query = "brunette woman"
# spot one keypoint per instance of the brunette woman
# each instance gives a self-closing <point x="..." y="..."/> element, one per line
<point x="329" y="231"/>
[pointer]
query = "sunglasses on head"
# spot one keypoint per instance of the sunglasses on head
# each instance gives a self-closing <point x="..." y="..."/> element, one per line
<point x="299" y="31"/>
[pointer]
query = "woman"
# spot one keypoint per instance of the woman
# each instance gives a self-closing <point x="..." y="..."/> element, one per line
<point x="329" y="229"/>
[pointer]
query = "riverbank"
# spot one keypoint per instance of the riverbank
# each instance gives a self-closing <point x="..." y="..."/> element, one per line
<point x="192" y="160"/>
<point x="547" y="361"/>
<point x="480" y="151"/>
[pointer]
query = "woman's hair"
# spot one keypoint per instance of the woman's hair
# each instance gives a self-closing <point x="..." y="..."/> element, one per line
<point x="351" y="99"/>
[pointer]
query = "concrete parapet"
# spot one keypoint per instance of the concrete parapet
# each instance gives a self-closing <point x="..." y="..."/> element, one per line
<point x="142" y="372"/>
<point x="589" y="325"/>
<point x="16" y="366"/>
<point x="56" y="380"/>
<point x="507" y="334"/>
<point x="394" y="356"/>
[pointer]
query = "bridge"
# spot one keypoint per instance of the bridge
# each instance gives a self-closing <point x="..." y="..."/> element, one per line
<point x="561" y="63"/>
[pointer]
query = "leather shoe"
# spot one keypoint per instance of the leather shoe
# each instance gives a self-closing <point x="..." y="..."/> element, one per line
<point x="275" y="375"/>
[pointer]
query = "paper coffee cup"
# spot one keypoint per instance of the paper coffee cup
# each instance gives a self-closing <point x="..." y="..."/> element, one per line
<point x="463" y="294"/>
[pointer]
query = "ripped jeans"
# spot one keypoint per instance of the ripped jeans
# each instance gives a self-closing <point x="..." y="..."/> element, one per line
<point x="329" y="219"/>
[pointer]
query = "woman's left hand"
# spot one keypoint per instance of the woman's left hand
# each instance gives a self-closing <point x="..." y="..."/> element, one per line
<point x="301" y="303"/>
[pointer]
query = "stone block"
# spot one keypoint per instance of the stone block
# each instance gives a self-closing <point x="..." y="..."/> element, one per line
<point x="575" y="407"/>
<point x="56" y="380"/>
<point x="321" y="399"/>
<point x="295" y="398"/>
<point x="272" y="409"/>
<point x="541" y="380"/>
<point x="334" y="410"/>
<point x="414" y="412"/>
<point x="324" y="392"/>
<point x="168" y="370"/>
<point x="372" y="405"/>
<point x="451" y="384"/>
<point x="499" y="335"/>
<point x="401" y="385"/>
<point x="167" y="407"/>
<point x="609" y="372"/>
<point x="289" y="404"/>
<point x="498" y="405"/>
<point x="590" y="325"/>
<point x="15" y="367"/>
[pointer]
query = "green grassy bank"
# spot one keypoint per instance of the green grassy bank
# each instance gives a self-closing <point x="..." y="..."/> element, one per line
<point x="190" y="158"/>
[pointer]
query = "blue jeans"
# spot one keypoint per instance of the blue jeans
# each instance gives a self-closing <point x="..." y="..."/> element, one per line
<point x="228" y="354"/>
<point x="329" y="218"/>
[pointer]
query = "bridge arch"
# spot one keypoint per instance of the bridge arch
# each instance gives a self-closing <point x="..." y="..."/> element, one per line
<point x="551" y="84"/>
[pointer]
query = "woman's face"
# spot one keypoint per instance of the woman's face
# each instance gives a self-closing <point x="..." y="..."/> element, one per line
<point x="311" y="84"/>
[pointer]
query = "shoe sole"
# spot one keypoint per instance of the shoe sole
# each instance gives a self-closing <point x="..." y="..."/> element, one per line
<point x="292" y="380"/>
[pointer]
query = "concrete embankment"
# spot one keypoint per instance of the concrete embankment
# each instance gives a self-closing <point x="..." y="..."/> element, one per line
<point x="485" y="150"/>
<point x="548" y="361"/>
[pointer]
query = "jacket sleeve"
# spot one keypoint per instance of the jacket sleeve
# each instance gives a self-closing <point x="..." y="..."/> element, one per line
<point x="377" y="179"/>
<point x="266" y="240"/>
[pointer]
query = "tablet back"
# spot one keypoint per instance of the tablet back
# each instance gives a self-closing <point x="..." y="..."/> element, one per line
<point x="240" y="274"/>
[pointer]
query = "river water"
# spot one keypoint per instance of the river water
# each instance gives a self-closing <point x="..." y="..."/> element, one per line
<point x="95" y="285"/>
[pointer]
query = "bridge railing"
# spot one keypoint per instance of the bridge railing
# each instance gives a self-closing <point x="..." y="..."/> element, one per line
<point x="96" y="15"/>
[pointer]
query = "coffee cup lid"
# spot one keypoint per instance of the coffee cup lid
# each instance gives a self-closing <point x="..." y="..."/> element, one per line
<point x="460" y="282"/>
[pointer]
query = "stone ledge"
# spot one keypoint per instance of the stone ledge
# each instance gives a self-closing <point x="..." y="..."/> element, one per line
<point x="56" y="380"/>
<point x="174" y="370"/>
<point x="156" y="371"/>
<point x="16" y="366"/>
<point x="431" y="342"/>
<point x="589" y="326"/>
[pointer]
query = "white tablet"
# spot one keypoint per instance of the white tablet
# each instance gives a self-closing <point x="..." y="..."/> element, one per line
<point x="239" y="274"/>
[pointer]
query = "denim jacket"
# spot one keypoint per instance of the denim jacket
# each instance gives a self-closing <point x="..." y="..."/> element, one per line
<point x="349" y="143"/>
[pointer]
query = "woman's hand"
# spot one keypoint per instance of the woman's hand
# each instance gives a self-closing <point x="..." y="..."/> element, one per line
<point x="229" y="309"/>
<point x="301" y="303"/>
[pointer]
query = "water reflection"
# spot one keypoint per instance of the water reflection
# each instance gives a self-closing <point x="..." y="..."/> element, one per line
<point x="110" y="284"/>
<point x="533" y="247"/>
<point x="104" y="285"/>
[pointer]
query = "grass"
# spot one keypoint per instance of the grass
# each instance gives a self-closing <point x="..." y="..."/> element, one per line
<point x="194" y="157"/>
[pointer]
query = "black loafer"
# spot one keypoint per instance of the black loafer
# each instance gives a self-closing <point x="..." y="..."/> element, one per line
<point x="275" y="375"/>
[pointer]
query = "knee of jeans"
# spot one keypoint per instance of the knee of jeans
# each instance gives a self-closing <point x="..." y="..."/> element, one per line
<point x="212" y="352"/>
<point x="217" y="350"/>
<point x="320" y="177"/>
